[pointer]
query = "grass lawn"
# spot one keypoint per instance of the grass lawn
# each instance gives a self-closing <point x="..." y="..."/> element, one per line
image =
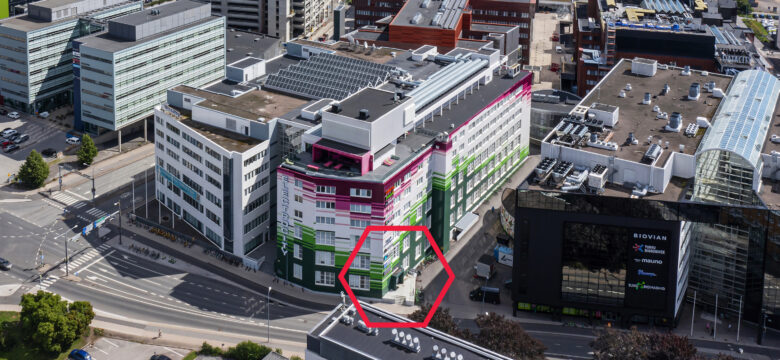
<point x="758" y="29"/>
<point x="22" y="352"/>
<point x="191" y="356"/>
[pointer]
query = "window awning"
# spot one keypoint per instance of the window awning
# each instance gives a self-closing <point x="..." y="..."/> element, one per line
<point x="466" y="222"/>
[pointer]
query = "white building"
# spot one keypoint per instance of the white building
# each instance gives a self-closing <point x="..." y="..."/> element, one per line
<point x="215" y="162"/>
<point x="126" y="71"/>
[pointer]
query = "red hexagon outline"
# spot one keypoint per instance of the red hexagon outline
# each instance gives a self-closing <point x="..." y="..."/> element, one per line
<point x="439" y="298"/>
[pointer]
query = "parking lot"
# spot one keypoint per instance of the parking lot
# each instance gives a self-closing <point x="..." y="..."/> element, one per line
<point x="114" y="349"/>
<point x="42" y="136"/>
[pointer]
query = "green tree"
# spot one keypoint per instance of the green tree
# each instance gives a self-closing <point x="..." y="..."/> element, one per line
<point x="614" y="344"/>
<point x="743" y="7"/>
<point x="507" y="337"/>
<point x="209" y="350"/>
<point x="34" y="171"/>
<point x="87" y="150"/>
<point x="247" y="350"/>
<point x="53" y="324"/>
<point x="441" y="320"/>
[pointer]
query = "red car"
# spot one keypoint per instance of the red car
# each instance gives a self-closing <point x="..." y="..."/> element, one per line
<point x="7" y="142"/>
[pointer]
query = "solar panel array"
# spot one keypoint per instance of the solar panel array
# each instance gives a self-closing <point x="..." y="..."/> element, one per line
<point x="329" y="76"/>
<point x="742" y="123"/>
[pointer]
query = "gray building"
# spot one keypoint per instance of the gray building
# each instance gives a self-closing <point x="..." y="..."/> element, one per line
<point x="125" y="71"/>
<point x="36" y="58"/>
<point x="548" y="107"/>
<point x="342" y="335"/>
<point x="284" y="19"/>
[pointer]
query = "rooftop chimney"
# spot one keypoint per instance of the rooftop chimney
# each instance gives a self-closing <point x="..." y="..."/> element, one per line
<point x="364" y="114"/>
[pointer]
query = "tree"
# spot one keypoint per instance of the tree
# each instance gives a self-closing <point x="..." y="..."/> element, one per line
<point x="247" y="350"/>
<point x="441" y="320"/>
<point x="34" y="171"/>
<point x="87" y="150"/>
<point x="743" y="7"/>
<point x="613" y="344"/>
<point x="507" y="337"/>
<point x="53" y="324"/>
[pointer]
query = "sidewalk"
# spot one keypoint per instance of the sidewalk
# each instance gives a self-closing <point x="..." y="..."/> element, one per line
<point x="747" y="335"/>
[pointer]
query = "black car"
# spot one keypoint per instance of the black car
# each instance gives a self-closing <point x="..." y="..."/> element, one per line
<point x="21" y="138"/>
<point x="159" y="357"/>
<point x="11" y="148"/>
<point x="49" y="152"/>
<point x="5" y="264"/>
<point x="3" y="112"/>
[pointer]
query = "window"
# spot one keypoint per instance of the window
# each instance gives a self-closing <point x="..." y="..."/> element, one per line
<point x="325" y="220"/>
<point x="297" y="231"/>
<point x="359" y="223"/>
<point x="322" y="189"/>
<point x="325" y="278"/>
<point x="213" y="153"/>
<point x="326" y="205"/>
<point x="325" y="238"/>
<point x="365" y="193"/>
<point x="325" y="258"/>
<point x="361" y="262"/>
<point x="298" y="183"/>
<point x="213" y="217"/>
<point x="406" y="241"/>
<point x="192" y="167"/>
<point x="298" y="198"/>
<point x="360" y="208"/>
<point x="297" y="251"/>
<point x="298" y="214"/>
<point x="214" y="199"/>
<point x="256" y="203"/>
<point x="418" y="250"/>
<point x="359" y="282"/>
<point x="213" y="168"/>
<point x="297" y="271"/>
<point x="213" y="181"/>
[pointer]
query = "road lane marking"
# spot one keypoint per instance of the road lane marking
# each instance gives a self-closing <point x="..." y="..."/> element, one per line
<point x="78" y="195"/>
<point x="110" y="343"/>
<point x="96" y="261"/>
<point x="173" y="351"/>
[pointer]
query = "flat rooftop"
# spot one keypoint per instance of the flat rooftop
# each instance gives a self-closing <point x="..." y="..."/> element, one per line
<point x="442" y="14"/>
<point x="332" y="331"/>
<point x="246" y="62"/>
<point x="774" y="129"/>
<point x="677" y="189"/>
<point x="241" y="44"/>
<point x="165" y="10"/>
<point x="377" y="102"/>
<point x="639" y="119"/>
<point x="229" y="140"/>
<point x="27" y="23"/>
<point x="106" y="42"/>
<point x="252" y="105"/>
<point x="51" y="4"/>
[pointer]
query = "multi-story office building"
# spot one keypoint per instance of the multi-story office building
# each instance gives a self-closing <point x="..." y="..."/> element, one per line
<point x="123" y="73"/>
<point x="677" y="168"/>
<point x="285" y="19"/>
<point x="215" y="160"/>
<point x="343" y="335"/>
<point x="36" y="56"/>
<point x="425" y="148"/>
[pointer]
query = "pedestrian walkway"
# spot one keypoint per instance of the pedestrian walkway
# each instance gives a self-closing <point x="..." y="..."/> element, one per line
<point x="75" y="265"/>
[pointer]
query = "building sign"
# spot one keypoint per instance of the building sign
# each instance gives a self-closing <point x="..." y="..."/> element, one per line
<point x="285" y="221"/>
<point x="178" y="183"/>
<point x="503" y="254"/>
<point x="647" y="268"/>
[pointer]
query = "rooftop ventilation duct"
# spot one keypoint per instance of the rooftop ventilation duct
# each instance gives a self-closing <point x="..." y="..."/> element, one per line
<point x="406" y="341"/>
<point x="364" y="114"/>
<point x="622" y="94"/>
<point x="647" y="99"/>
<point x="335" y="108"/>
<point x="666" y="89"/>
<point x="694" y="92"/>
<point x="416" y="18"/>
<point x="628" y="87"/>
<point x="631" y="139"/>
<point x="675" y="123"/>
<point x="686" y="71"/>
<point x="652" y="154"/>
<point x="702" y="122"/>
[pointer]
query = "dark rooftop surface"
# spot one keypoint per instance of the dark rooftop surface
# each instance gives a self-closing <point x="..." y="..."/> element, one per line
<point x="242" y="43"/>
<point x="252" y="105"/>
<point x="566" y="100"/>
<point x="774" y="129"/>
<point x="226" y="87"/>
<point x="486" y="27"/>
<point x="380" y="346"/>
<point x="641" y="120"/>
<point x="106" y="42"/>
<point x="377" y="102"/>
<point x="246" y="62"/>
<point x="473" y="44"/>
<point x="165" y="10"/>
<point x="349" y="149"/>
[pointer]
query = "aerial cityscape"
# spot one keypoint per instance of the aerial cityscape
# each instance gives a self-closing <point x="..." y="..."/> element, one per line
<point x="418" y="179"/>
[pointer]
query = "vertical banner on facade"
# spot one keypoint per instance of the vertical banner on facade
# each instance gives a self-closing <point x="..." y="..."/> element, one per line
<point x="647" y="269"/>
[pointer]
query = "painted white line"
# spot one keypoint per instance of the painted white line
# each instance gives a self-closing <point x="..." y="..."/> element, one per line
<point x="110" y="343"/>
<point x="118" y="282"/>
<point x="173" y="351"/>
<point x="98" y="349"/>
<point x="77" y="195"/>
<point x="95" y="262"/>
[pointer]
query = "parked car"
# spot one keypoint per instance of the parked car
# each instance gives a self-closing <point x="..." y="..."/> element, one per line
<point x="78" y="354"/>
<point x="73" y="140"/>
<point x="5" y="264"/>
<point x="488" y="294"/>
<point x="21" y="138"/>
<point x="14" y="115"/>
<point x="44" y="114"/>
<point x="11" y="148"/>
<point x="49" y="152"/>
<point x="6" y="142"/>
<point x="485" y="267"/>
<point x="159" y="357"/>
<point x="3" y="112"/>
<point x="9" y="132"/>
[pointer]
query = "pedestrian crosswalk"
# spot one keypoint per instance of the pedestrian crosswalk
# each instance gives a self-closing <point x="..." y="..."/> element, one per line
<point x="69" y="200"/>
<point x="75" y="264"/>
<point x="46" y="282"/>
<point x="92" y="215"/>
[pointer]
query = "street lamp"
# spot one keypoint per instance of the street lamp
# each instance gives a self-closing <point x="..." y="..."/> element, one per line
<point x="268" y="311"/>
<point x="119" y="203"/>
